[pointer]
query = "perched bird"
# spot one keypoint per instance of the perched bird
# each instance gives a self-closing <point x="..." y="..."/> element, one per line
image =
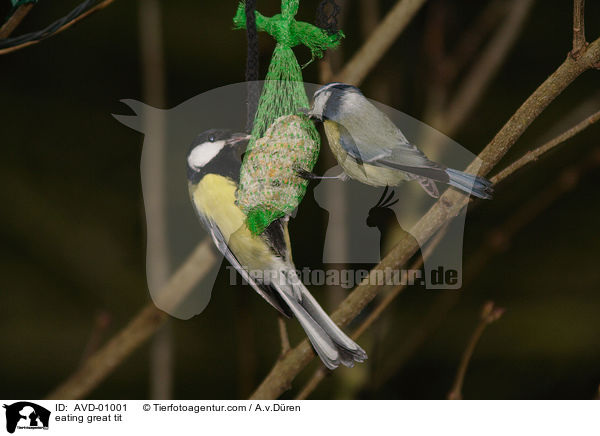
<point x="371" y="149"/>
<point x="213" y="168"/>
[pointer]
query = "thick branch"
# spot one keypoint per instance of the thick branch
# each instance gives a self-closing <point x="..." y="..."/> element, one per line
<point x="535" y="206"/>
<point x="141" y="327"/>
<point x="495" y="242"/>
<point x="447" y="207"/>
<point x="320" y="373"/>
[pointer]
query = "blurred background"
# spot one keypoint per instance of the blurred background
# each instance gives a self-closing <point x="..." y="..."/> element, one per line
<point x="73" y="236"/>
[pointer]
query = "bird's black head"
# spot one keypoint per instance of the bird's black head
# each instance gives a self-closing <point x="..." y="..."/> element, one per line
<point x="216" y="151"/>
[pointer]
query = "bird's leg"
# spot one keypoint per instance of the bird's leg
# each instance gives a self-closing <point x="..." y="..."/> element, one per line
<point x="307" y="175"/>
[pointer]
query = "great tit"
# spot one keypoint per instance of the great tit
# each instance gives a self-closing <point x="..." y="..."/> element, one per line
<point x="213" y="167"/>
<point x="371" y="149"/>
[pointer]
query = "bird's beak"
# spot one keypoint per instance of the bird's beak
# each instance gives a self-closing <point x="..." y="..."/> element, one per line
<point x="307" y="112"/>
<point x="304" y="111"/>
<point x="236" y="138"/>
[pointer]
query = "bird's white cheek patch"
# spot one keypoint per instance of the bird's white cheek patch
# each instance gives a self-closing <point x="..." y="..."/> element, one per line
<point x="204" y="153"/>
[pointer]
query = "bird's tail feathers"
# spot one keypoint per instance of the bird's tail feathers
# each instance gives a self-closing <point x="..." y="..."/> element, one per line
<point x="474" y="185"/>
<point x="332" y="345"/>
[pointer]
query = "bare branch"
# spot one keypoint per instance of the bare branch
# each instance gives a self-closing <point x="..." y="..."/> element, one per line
<point x="147" y="321"/>
<point x="496" y="241"/>
<point x="473" y="37"/>
<point x="95" y="369"/>
<point x="471" y="89"/>
<point x="489" y="314"/>
<point x="283" y="336"/>
<point x="369" y="13"/>
<point x="157" y="259"/>
<point x="14" y="20"/>
<point x="312" y="384"/>
<point x="579" y="42"/>
<point x="523" y="217"/>
<point x="534" y="155"/>
<point x="445" y="209"/>
<point x="96" y="8"/>
<point x="101" y="323"/>
<point x="320" y="373"/>
<point x="380" y="41"/>
<point x="386" y="301"/>
<point x="104" y="361"/>
<point x="140" y="328"/>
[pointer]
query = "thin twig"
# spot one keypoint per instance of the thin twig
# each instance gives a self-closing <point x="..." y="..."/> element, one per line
<point x="489" y="314"/>
<point x="14" y="20"/>
<point x="534" y="155"/>
<point x="246" y="344"/>
<point x="369" y="16"/>
<point x="283" y="336"/>
<point x="471" y="89"/>
<point x="105" y="360"/>
<point x="101" y="324"/>
<point x="445" y="209"/>
<point x="140" y="328"/>
<point x="449" y="114"/>
<point x="445" y="67"/>
<point x="161" y="350"/>
<point x="380" y="41"/>
<point x="434" y="41"/>
<point x="579" y="42"/>
<point x="312" y="384"/>
<point x="473" y="37"/>
<point x="153" y="180"/>
<point x="96" y="8"/>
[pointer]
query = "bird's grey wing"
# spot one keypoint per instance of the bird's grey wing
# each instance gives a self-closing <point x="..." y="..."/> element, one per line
<point x="264" y="291"/>
<point x="407" y="154"/>
<point x="360" y="153"/>
<point x="408" y="158"/>
<point x="402" y="156"/>
<point x="365" y="132"/>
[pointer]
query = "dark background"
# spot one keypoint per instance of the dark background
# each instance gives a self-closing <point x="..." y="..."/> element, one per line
<point x="72" y="228"/>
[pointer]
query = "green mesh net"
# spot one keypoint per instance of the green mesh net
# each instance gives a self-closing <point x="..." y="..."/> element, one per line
<point x="283" y="140"/>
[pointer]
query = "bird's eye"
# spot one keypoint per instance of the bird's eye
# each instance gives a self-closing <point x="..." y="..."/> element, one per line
<point x="211" y="138"/>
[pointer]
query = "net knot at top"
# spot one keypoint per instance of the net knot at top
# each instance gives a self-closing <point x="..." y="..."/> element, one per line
<point x="289" y="32"/>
